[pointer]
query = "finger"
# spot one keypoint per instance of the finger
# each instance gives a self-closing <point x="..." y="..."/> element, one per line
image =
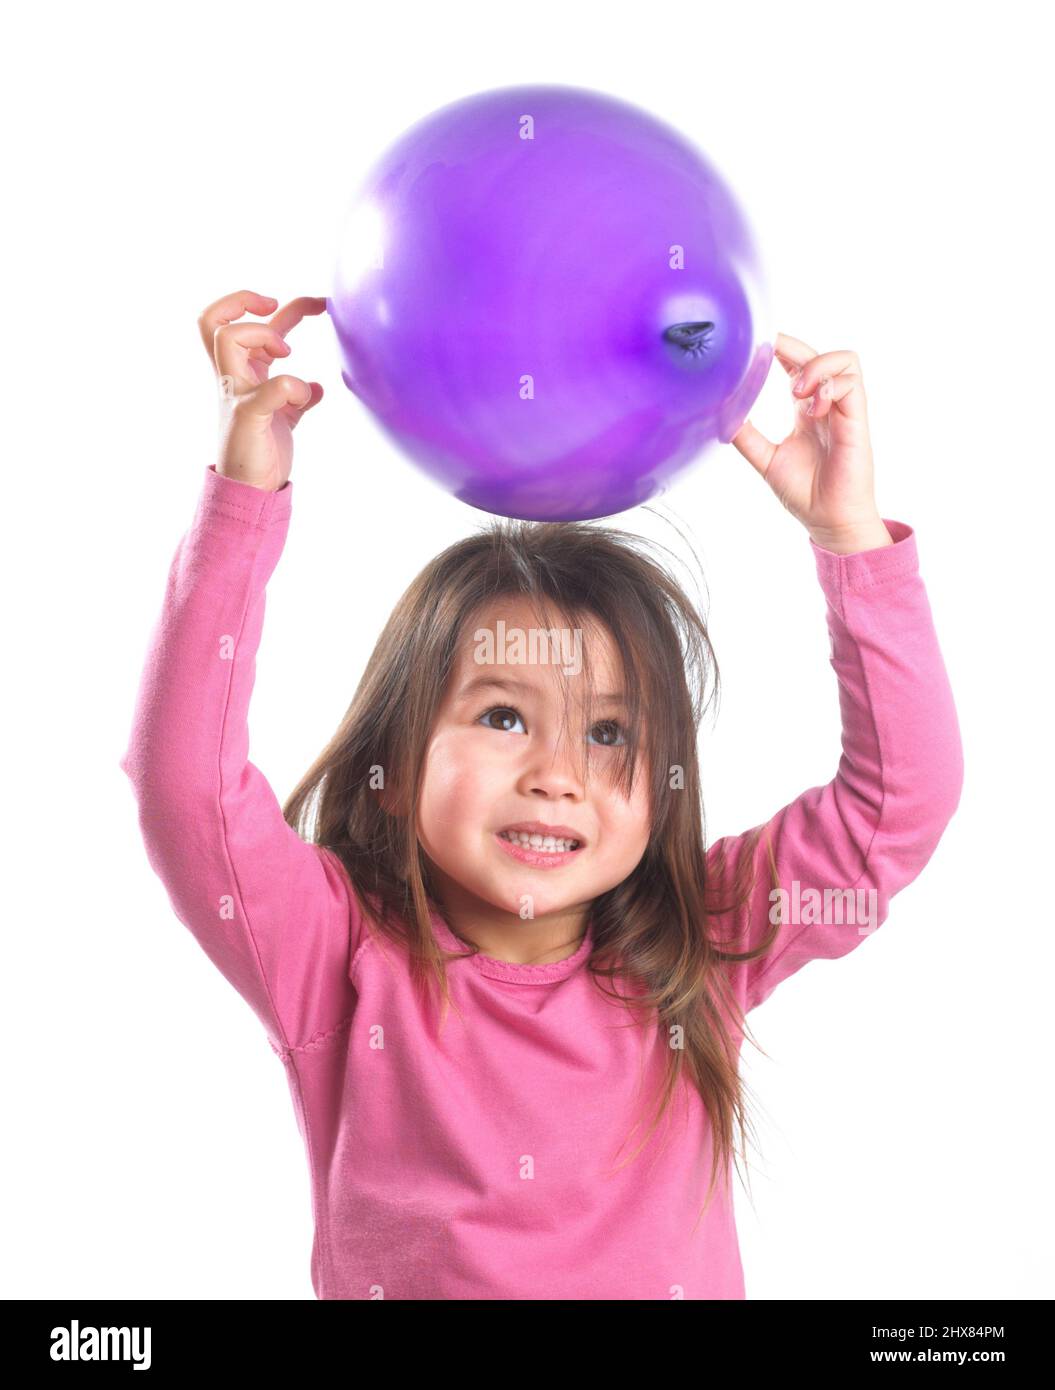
<point x="230" y="307"/>
<point x="826" y="365"/>
<point x="792" y="353"/>
<point x="275" y="394"/>
<point x="233" y="344"/>
<point x="844" y="390"/>
<point x="316" y="396"/>
<point x="292" y="313"/>
<point x="755" y="447"/>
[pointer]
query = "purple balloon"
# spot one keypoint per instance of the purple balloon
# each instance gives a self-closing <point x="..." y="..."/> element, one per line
<point x="550" y="301"/>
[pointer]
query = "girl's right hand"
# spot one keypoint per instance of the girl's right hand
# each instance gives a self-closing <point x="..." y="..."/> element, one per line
<point x="258" y="414"/>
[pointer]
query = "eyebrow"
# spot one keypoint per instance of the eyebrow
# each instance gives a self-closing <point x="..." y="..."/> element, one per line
<point x="521" y="687"/>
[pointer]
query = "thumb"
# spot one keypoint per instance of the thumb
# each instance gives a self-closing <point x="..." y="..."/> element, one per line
<point x="754" y="446"/>
<point x="276" y="392"/>
<point x="315" y="394"/>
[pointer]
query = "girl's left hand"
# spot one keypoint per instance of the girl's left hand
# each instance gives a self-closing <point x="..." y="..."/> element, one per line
<point x="822" y="472"/>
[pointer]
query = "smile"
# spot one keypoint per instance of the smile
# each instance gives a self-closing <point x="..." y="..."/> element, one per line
<point x="548" y="853"/>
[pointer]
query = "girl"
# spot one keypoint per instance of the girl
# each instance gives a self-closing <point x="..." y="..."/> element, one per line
<point x="506" y="979"/>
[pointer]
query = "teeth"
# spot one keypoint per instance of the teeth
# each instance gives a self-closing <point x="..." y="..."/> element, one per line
<point x="545" y="844"/>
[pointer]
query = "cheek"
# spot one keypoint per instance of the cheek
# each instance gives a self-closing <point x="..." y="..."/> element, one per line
<point x="453" y="774"/>
<point x="632" y="827"/>
<point x="631" y="820"/>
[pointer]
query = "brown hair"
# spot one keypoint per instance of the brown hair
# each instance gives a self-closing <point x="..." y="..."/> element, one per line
<point x="655" y="929"/>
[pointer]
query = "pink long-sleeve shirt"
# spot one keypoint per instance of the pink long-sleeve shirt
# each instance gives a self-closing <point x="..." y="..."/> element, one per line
<point x="480" y="1162"/>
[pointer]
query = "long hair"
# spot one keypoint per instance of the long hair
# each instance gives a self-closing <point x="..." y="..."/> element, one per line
<point x="656" y="931"/>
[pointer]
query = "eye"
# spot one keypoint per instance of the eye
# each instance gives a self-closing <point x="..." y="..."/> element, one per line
<point x="498" y="709"/>
<point x="613" y="728"/>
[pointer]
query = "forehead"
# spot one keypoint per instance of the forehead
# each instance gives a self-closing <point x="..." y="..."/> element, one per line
<point x="510" y="641"/>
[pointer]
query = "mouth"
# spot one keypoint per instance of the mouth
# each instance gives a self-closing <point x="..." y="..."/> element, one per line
<point x="539" y="845"/>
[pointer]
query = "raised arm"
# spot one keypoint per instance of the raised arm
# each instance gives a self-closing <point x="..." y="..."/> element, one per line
<point x="271" y="911"/>
<point x="843" y="850"/>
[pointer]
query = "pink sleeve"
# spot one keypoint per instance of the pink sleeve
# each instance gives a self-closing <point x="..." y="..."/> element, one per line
<point x="843" y="850"/>
<point x="272" y="912"/>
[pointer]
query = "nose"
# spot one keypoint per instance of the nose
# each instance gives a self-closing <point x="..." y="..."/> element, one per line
<point x="552" y="770"/>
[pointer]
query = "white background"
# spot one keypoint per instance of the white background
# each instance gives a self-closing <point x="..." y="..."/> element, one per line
<point x="895" y="161"/>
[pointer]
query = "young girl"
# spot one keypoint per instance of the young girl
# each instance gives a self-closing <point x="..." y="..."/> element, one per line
<point x="505" y="977"/>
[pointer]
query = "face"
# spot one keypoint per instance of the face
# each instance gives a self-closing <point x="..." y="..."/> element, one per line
<point x="499" y="757"/>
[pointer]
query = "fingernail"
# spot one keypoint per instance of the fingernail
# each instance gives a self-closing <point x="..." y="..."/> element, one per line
<point x="800" y="385"/>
